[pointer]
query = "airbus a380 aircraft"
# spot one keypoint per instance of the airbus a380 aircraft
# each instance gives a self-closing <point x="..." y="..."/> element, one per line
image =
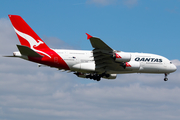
<point x="101" y="62"/>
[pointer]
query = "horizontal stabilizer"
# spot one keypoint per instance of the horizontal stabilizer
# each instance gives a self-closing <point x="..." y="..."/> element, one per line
<point x="24" y="50"/>
<point x="10" y="56"/>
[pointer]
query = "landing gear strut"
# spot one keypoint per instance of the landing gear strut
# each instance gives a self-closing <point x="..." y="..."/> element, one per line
<point x="165" y="79"/>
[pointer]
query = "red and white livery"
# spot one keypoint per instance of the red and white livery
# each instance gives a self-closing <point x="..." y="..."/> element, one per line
<point x="101" y="62"/>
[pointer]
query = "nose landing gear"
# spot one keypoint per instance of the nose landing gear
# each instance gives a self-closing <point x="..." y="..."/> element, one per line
<point x="165" y="79"/>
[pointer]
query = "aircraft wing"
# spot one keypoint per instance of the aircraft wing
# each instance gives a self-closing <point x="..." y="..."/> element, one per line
<point x="103" y="55"/>
<point x="98" y="43"/>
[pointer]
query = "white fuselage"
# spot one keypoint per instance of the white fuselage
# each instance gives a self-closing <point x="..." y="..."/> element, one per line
<point x="82" y="60"/>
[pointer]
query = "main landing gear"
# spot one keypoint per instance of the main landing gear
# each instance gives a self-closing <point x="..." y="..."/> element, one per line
<point x="97" y="76"/>
<point x="165" y="79"/>
<point x="94" y="77"/>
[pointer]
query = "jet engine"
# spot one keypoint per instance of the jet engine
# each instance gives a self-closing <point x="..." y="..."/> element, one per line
<point x="132" y="65"/>
<point x="122" y="57"/>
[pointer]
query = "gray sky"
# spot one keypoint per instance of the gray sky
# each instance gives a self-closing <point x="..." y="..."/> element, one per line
<point x="28" y="92"/>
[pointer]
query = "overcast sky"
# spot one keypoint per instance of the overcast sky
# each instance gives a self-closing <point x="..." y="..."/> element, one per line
<point x="28" y="92"/>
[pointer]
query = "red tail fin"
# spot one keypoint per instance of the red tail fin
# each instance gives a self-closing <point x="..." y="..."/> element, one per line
<point x="26" y="35"/>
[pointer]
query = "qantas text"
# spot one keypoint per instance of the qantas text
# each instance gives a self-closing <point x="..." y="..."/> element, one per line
<point x="148" y="59"/>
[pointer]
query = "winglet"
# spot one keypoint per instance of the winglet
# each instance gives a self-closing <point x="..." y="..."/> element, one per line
<point x="88" y="36"/>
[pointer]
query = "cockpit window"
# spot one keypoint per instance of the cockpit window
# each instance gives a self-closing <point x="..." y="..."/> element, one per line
<point x="170" y="62"/>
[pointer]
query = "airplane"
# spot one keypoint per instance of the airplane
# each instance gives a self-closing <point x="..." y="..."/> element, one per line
<point x="101" y="62"/>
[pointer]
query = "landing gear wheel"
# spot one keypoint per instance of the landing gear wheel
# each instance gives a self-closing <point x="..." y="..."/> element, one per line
<point x="94" y="76"/>
<point x="98" y="78"/>
<point x="165" y="79"/>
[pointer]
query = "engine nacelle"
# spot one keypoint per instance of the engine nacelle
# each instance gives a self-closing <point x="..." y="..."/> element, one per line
<point x="122" y="57"/>
<point x="110" y="76"/>
<point x="132" y="65"/>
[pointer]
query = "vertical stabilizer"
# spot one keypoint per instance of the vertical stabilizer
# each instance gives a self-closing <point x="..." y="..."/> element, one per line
<point x="26" y="35"/>
<point x="33" y="47"/>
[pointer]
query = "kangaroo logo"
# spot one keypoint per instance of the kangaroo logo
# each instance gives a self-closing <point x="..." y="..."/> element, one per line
<point x="33" y="43"/>
<point x="38" y="43"/>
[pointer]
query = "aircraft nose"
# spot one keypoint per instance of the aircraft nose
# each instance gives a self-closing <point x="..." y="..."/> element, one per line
<point x="173" y="67"/>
